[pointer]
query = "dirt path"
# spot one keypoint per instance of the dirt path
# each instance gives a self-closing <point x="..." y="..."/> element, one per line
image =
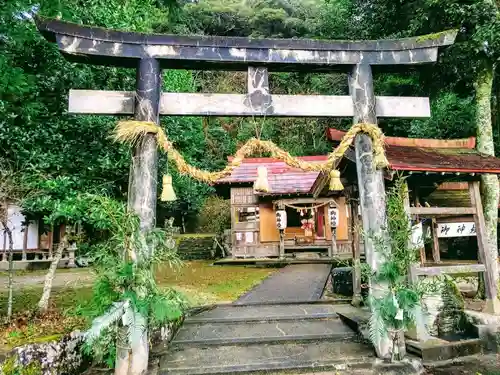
<point x="74" y="278"/>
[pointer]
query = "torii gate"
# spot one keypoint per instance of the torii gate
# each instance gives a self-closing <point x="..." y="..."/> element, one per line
<point x="150" y="53"/>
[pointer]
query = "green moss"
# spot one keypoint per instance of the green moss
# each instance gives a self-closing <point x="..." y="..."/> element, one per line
<point x="34" y="368"/>
<point x="193" y="235"/>
<point x="9" y="366"/>
<point x="434" y="36"/>
<point x="64" y="298"/>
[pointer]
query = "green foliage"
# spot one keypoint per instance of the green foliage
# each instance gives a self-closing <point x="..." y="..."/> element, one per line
<point x="447" y="110"/>
<point x="215" y="216"/>
<point x="63" y="155"/>
<point x="125" y="292"/>
<point x="11" y="366"/>
<point x="392" y="310"/>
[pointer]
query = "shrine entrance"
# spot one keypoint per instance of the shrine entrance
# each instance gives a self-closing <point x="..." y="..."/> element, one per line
<point x="149" y="54"/>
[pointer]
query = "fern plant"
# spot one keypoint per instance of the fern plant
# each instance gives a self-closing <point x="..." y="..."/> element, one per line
<point x="125" y="293"/>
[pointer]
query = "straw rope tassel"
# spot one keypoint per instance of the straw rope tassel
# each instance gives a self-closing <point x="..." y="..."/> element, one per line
<point x="335" y="183"/>
<point x="167" y="191"/>
<point x="261" y="183"/>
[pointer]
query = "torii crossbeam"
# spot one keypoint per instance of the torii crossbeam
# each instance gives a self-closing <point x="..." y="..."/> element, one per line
<point x="149" y="53"/>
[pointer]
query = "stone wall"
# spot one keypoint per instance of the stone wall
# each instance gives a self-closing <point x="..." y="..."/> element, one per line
<point x="197" y="246"/>
<point x="50" y="358"/>
<point x="65" y="356"/>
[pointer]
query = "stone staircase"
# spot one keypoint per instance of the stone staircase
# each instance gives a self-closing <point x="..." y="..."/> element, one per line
<point x="252" y="338"/>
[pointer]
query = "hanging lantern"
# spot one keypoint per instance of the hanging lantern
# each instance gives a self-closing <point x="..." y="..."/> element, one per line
<point x="281" y="219"/>
<point x="261" y="183"/>
<point x="167" y="193"/>
<point x="333" y="214"/>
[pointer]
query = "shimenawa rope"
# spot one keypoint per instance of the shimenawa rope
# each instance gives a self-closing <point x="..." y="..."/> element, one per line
<point x="132" y="131"/>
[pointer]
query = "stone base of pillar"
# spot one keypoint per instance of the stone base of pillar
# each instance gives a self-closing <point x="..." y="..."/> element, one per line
<point x="357" y="300"/>
<point x="492" y="306"/>
<point x="487" y="327"/>
<point x="404" y="367"/>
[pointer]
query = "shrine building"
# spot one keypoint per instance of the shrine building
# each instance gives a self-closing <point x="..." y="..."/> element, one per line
<point x="322" y="223"/>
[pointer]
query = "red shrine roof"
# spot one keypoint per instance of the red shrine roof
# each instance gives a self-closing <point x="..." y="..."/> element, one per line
<point x="404" y="154"/>
<point x="282" y="178"/>
<point x="433" y="155"/>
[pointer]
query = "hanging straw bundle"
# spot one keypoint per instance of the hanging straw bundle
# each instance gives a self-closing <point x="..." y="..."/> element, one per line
<point x="167" y="193"/>
<point x="261" y="183"/>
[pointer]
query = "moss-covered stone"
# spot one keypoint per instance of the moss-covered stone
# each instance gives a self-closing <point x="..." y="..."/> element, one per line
<point x="51" y="358"/>
<point x="434" y="36"/>
<point x="196" y="246"/>
<point x="12" y="366"/>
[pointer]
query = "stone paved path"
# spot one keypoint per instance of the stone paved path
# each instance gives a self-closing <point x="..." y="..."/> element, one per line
<point x="294" y="283"/>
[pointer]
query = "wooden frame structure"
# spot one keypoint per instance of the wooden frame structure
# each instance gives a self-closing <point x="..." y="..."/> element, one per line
<point x="149" y="54"/>
<point x="488" y="261"/>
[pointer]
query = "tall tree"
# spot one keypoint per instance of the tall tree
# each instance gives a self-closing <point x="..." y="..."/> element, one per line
<point x="11" y="193"/>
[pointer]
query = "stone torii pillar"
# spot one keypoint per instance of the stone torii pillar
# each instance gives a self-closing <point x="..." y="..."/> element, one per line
<point x="142" y="194"/>
<point x="370" y="180"/>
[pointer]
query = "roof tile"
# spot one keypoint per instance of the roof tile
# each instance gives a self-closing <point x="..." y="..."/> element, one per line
<point x="282" y="178"/>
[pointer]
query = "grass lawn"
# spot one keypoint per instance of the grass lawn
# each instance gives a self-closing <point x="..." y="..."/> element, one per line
<point x="199" y="281"/>
<point x="203" y="283"/>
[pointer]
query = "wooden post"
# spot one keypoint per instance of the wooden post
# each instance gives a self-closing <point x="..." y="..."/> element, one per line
<point x="370" y="181"/>
<point x="25" y="241"/>
<point x="282" y="244"/>
<point x="332" y="250"/>
<point x="487" y="256"/>
<point x="436" y="254"/>
<point x="423" y="257"/>
<point x="418" y="332"/>
<point x="281" y="206"/>
<point x="356" y="256"/>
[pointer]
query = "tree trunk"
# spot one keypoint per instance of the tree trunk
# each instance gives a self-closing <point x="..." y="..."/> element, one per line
<point x="10" y="301"/>
<point x="43" y="305"/>
<point x="489" y="183"/>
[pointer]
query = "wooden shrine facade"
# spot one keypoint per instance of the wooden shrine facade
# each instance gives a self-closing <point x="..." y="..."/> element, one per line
<point x="431" y="166"/>
<point x="33" y="243"/>
<point x="308" y="226"/>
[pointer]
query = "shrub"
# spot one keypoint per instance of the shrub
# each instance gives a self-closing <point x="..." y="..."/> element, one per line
<point x="215" y="216"/>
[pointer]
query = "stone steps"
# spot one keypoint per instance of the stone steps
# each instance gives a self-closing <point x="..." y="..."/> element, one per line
<point x="247" y="313"/>
<point x="244" y="339"/>
<point x="230" y="359"/>
<point x="203" y="334"/>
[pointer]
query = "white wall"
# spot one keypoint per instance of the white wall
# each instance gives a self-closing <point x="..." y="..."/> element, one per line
<point x="15" y="221"/>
